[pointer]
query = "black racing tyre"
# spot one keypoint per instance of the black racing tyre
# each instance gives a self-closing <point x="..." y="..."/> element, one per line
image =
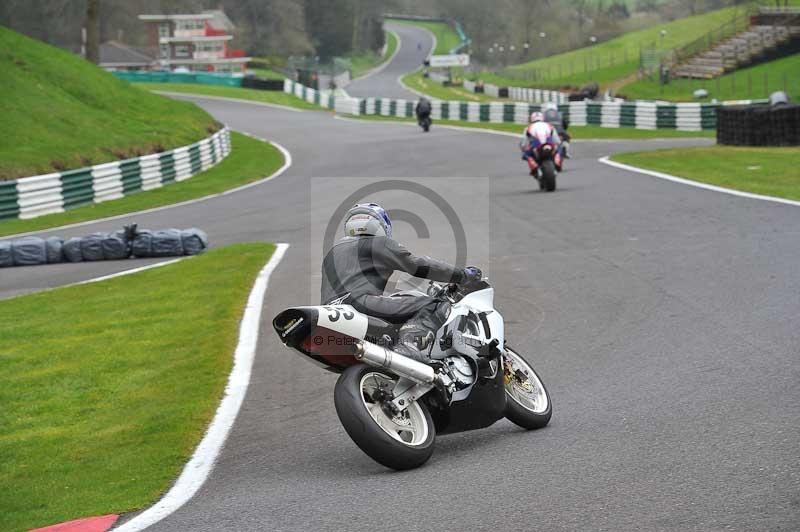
<point x="527" y="400"/>
<point x="398" y="442"/>
<point x="549" y="175"/>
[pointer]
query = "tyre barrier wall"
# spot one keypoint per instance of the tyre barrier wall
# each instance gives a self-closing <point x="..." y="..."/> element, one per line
<point x="122" y="244"/>
<point x="639" y="115"/>
<point x="263" y="84"/>
<point x="759" y="125"/>
<point x="29" y="197"/>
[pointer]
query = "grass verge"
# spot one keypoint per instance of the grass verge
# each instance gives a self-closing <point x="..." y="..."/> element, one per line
<point x="363" y="63"/>
<point x="266" y="73"/>
<point x="415" y="81"/>
<point x="275" y="97"/>
<point x="577" y="132"/>
<point x="62" y="112"/>
<point x="104" y="401"/>
<point x="767" y="171"/>
<point x="250" y="160"/>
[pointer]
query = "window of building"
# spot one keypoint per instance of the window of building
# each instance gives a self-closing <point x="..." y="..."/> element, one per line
<point x="182" y="50"/>
<point x="189" y="25"/>
<point x="209" y="47"/>
<point x="163" y="30"/>
<point x="164" y="49"/>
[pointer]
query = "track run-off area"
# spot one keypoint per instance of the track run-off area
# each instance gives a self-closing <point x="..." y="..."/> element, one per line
<point x="663" y="319"/>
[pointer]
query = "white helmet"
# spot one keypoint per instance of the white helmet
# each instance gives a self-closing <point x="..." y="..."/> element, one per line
<point x="536" y="116"/>
<point x="368" y="219"/>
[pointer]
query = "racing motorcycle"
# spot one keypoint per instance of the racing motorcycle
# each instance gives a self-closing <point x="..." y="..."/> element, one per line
<point x="545" y="161"/>
<point x="393" y="406"/>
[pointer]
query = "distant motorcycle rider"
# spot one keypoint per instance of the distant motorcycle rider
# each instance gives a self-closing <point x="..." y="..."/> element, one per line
<point x="356" y="269"/>
<point x="537" y="129"/>
<point x="553" y="117"/>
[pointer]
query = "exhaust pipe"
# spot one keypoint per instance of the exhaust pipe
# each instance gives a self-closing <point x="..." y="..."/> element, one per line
<point x="375" y="355"/>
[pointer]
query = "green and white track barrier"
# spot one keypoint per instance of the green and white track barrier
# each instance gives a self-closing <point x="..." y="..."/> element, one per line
<point x="636" y="114"/>
<point x="30" y="197"/>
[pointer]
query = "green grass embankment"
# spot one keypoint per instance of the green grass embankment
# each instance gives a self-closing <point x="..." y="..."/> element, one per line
<point x="613" y="59"/>
<point x="755" y="82"/>
<point x="61" y="112"/>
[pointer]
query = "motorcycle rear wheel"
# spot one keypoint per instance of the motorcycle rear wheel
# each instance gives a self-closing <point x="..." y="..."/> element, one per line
<point x="528" y="403"/>
<point x="400" y="442"/>
<point x="548" y="178"/>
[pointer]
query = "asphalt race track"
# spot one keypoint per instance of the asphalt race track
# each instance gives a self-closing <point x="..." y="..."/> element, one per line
<point x="663" y="319"/>
<point x="385" y="82"/>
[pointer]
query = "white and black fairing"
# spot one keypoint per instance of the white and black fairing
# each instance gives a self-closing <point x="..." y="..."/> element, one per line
<point x="327" y="334"/>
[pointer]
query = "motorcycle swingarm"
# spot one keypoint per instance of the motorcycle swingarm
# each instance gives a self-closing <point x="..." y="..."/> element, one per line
<point x="407" y="391"/>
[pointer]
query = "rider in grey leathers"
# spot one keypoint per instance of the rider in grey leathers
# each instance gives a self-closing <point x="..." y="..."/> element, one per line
<point x="356" y="269"/>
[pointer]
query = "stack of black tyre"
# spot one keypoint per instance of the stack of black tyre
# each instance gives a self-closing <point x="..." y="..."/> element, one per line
<point x="122" y="244"/>
<point x="759" y="125"/>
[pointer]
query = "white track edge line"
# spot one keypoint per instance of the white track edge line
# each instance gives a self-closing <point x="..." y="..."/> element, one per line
<point x="235" y="100"/>
<point x="287" y="162"/>
<point x="683" y="181"/>
<point x="196" y="471"/>
<point x="127" y="272"/>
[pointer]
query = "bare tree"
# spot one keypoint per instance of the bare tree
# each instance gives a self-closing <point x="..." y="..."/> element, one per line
<point x="93" y="31"/>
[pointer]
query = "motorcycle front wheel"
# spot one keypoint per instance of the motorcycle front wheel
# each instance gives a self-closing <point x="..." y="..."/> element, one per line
<point x="398" y="441"/>
<point x="528" y="403"/>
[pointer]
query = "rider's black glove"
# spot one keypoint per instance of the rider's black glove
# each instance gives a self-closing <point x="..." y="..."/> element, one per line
<point x="472" y="274"/>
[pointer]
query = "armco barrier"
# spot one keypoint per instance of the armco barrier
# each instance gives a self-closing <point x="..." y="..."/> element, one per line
<point x="29" y="197"/>
<point x="179" y="77"/>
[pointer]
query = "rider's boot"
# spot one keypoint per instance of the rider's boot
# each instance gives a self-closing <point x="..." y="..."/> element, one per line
<point x="415" y="337"/>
